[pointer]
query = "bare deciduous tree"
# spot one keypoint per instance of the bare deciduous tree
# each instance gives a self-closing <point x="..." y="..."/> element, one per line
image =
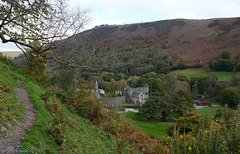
<point x="38" y="25"/>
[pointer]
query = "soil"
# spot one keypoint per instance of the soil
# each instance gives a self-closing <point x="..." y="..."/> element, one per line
<point x="14" y="135"/>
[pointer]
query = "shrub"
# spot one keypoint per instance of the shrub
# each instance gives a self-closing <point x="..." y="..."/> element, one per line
<point x="126" y="133"/>
<point x="219" y="136"/>
<point x="85" y="105"/>
<point x="57" y="129"/>
<point x="185" y="124"/>
<point x="223" y="65"/>
<point x="230" y="96"/>
<point x="226" y="54"/>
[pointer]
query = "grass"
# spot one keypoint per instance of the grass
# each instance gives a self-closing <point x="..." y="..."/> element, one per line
<point x="222" y="76"/>
<point x="10" y="107"/>
<point x="215" y="103"/>
<point x="83" y="137"/>
<point x="208" y="111"/>
<point x="156" y="129"/>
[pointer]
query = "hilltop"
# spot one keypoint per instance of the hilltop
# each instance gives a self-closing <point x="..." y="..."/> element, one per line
<point x="190" y="40"/>
<point x="137" y="47"/>
<point x="11" y="54"/>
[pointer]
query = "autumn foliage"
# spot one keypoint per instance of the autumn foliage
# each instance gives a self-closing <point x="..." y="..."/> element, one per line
<point x="125" y="131"/>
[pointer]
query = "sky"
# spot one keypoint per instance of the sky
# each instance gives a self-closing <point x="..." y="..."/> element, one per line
<point x="135" y="11"/>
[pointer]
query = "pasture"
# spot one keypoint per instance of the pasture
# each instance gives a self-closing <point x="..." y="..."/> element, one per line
<point x="208" y="111"/>
<point x="222" y="76"/>
<point x="155" y="129"/>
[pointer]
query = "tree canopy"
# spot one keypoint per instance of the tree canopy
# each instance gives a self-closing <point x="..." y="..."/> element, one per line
<point x="36" y="25"/>
<point x="158" y="106"/>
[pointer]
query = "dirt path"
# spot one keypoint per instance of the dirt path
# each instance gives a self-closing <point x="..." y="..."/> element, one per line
<point x="14" y="135"/>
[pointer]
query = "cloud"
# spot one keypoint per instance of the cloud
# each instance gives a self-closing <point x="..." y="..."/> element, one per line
<point x="125" y="11"/>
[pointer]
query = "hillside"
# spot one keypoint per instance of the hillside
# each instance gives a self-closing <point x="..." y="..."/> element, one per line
<point x="190" y="40"/>
<point x="70" y="122"/>
<point x="136" y="49"/>
<point x="11" y="54"/>
<point x="73" y="122"/>
<point x="80" y="135"/>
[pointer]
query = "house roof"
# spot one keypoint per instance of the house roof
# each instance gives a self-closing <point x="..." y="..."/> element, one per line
<point x="135" y="94"/>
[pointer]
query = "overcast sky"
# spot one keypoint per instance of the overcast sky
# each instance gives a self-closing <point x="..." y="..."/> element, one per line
<point x="136" y="11"/>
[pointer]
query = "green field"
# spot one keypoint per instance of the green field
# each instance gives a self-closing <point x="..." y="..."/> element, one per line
<point x="208" y="111"/>
<point x="156" y="129"/>
<point x="222" y="76"/>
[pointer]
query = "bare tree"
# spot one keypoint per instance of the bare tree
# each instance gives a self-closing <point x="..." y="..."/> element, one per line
<point x="36" y="26"/>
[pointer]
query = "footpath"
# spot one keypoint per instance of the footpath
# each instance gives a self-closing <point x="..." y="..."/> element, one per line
<point x="13" y="136"/>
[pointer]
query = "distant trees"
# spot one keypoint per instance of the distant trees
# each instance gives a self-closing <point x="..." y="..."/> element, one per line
<point x="238" y="67"/>
<point x="162" y="68"/>
<point x="230" y="96"/>
<point x="227" y="63"/>
<point x="198" y="84"/>
<point x="133" y="81"/>
<point x="225" y="92"/>
<point x="64" y="79"/>
<point x="181" y="65"/>
<point x="181" y="101"/>
<point x="158" y="106"/>
<point x="167" y="95"/>
<point x="223" y="65"/>
<point x="226" y="54"/>
<point x="108" y="76"/>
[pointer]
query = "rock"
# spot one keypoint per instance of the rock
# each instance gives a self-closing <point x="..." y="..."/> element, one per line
<point x="3" y="129"/>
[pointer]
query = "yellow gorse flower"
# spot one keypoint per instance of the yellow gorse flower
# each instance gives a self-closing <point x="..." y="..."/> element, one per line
<point x="189" y="148"/>
<point x="181" y="136"/>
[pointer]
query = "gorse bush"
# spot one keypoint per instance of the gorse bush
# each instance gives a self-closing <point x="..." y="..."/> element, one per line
<point x="57" y="129"/>
<point x="222" y="135"/>
<point x="187" y="123"/>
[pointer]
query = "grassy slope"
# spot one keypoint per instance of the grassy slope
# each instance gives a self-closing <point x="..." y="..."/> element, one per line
<point x="10" y="107"/>
<point x="222" y="76"/>
<point x="156" y="129"/>
<point x="83" y="138"/>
